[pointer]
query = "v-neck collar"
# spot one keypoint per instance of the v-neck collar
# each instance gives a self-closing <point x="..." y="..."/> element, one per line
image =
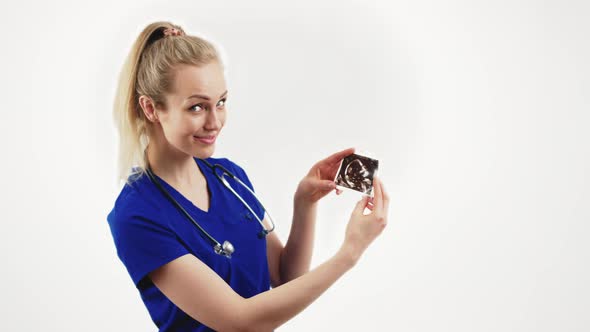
<point x="185" y="201"/>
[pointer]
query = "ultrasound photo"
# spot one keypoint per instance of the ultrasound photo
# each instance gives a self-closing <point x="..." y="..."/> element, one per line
<point x="356" y="173"/>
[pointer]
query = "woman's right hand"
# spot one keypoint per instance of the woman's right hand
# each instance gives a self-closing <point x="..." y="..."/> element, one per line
<point x="363" y="229"/>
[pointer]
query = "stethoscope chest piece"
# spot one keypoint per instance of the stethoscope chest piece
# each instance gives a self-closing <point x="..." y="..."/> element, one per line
<point x="227" y="249"/>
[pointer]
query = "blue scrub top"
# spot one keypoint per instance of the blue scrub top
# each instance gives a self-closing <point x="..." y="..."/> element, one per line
<point x="149" y="231"/>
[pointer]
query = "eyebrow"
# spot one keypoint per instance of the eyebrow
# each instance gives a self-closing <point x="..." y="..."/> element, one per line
<point x="205" y="97"/>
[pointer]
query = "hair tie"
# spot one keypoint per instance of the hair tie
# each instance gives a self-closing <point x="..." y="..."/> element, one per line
<point x="173" y="32"/>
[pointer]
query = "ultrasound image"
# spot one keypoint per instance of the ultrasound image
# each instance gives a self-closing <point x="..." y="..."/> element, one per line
<point x="356" y="173"/>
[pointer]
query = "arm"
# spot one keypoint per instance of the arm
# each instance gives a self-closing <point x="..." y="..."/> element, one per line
<point x="203" y="295"/>
<point x="288" y="262"/>
<point x="293" y="260"/>
<point x="296" y="256"/>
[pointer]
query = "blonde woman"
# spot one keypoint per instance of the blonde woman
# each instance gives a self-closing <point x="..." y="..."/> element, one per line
<point x="170" y="109"/>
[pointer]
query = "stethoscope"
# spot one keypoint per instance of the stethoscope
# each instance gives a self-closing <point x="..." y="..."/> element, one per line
<point x="227" y="248"/>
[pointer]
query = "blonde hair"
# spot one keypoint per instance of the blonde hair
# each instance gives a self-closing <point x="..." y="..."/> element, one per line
<point x="149" y="70"/>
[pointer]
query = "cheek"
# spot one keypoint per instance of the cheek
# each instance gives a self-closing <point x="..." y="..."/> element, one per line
<point x="177" y="126"/>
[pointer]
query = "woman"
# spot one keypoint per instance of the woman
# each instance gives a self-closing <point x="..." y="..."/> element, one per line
<point x="170" y="108"/>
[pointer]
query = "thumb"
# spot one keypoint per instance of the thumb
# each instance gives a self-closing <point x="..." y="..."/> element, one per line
<point x="325" y="184"/>
<point x="360" y="205"/>
<point x="329" y="185"/>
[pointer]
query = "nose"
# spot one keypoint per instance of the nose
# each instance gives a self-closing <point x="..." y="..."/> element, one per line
<point x="213" y="122"/>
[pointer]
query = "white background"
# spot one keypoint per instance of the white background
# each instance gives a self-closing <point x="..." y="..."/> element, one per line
<point x="478" y="112"/>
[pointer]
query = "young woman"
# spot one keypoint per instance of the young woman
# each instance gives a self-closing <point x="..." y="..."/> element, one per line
<point x="170" y="109"/>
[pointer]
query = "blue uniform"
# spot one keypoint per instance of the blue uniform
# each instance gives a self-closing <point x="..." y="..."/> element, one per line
<point x="149" y="231"/>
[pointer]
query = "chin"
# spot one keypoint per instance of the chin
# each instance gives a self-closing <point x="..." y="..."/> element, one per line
<point x="204" y="153"/>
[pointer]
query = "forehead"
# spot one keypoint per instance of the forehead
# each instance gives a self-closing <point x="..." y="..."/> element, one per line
<point x="206" y="79"/>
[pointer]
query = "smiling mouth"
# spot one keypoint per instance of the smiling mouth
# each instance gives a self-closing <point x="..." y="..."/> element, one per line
<point x="206" y="139"/>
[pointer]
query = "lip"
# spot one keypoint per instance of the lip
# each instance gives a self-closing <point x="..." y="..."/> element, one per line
<point x="206" y="139"/>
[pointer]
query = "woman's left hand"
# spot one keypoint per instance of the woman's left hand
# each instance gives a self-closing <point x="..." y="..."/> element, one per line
<point x="320" y="179"/>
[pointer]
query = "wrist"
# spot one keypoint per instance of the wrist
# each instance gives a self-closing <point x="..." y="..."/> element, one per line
<point x="300" y="202"/>
<point x="348" y="255"/>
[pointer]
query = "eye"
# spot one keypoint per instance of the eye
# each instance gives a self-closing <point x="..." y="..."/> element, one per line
<point x="222" y="102"/>
<point x="196" y="107"/>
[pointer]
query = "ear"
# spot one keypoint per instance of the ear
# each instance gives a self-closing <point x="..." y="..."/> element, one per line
<point x="148" y="108"/>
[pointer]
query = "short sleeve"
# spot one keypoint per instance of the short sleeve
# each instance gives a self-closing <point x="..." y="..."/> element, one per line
<point x="143" y="242"/>
<point x="241" y="174"/>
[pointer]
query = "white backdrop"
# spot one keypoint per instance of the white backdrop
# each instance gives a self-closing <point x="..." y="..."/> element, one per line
<point x="477" y="110"/>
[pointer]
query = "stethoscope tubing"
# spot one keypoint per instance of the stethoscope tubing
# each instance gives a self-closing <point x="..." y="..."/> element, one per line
<point x="227" y="248"/>
<point x="224" y="181"/>
<point x="167" y="194"/>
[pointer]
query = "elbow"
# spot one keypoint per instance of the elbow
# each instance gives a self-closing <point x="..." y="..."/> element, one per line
<point x="251" y="327"/>
<point x="242" y="326"/>
<point x="243" y="315"/>
<point x="250" y="318"/>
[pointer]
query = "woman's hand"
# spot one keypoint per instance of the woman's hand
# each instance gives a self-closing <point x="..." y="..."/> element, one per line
<point x="320" y="179"/>
<point x="362" y="229"/>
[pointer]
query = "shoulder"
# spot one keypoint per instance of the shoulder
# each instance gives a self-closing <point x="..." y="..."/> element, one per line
<point x="136" y="201"/>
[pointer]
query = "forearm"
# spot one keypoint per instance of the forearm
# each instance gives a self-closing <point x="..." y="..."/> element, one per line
<point x="296" y="256"/>
<point x="267" y="311"/>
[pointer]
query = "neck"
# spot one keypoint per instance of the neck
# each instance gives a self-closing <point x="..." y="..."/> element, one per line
<point x="175" y="167"/>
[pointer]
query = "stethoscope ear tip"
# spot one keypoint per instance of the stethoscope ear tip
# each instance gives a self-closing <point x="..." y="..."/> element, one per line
<point x="262" y="234"/>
